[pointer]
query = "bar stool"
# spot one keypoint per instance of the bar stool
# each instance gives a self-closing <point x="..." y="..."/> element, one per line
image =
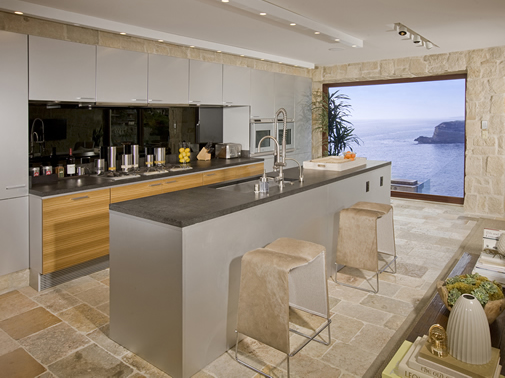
<point x="286" y="273"/>
<point x="365" y="233"/>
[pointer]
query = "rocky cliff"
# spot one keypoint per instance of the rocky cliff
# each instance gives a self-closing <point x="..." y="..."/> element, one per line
<point x="446" y="132"/>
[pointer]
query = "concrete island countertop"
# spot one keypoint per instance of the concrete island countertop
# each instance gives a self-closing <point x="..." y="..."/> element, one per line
<point x="191" y="206"/>
<point x="81" y="183"/>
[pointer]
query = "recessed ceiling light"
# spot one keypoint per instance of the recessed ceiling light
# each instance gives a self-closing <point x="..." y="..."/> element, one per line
<point x="225" y="1"/>
<point x="354" y="46"/>
<point x="280" y="62"/>
<point x="317" y="32"/>
<point x="242" y="55"/>
<point x="218" y="51"/>
<point x="160" y="40"/>
<point x="18" y="12"/>
<point x="122" y="33"/>
<point x="263" y="14"/>
<point x="192" y="47"/>
<point x="292" y="24"/>
<point x="262" y="59"/>
<point x="337" y="39"/>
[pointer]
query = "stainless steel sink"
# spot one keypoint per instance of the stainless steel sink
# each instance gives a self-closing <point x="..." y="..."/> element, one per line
<point x="248" y="186"/>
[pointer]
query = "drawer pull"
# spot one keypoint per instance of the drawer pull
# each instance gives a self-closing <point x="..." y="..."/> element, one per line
<point x="171" y="182"/>
<point x="155" y="184"/>
<point x="321" y="165"/>
<point x="79" y="198"/>
<point x="15" y="187"/>
<point x="85" y="98"/>
<point x="210" y="174"/>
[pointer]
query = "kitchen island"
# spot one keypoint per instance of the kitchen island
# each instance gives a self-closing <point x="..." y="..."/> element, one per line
<point x="175" y="258"/>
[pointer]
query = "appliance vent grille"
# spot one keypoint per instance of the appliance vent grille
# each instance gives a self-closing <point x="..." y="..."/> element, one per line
<point x="68" y="274"/>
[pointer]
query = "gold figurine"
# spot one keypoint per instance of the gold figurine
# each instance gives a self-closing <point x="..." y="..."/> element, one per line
<point x="437" y="339"/>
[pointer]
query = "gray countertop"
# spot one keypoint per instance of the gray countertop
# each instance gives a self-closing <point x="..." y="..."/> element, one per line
<point x="191" y="206"/>
<point x="80" y="183"/>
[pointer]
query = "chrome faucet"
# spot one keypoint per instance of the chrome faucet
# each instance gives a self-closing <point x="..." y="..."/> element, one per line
<point x="280" y="159"/>
<point x="33" y="133"/>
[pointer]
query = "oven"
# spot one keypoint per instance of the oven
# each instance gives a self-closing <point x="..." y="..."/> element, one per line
<point x="260" y="128"/>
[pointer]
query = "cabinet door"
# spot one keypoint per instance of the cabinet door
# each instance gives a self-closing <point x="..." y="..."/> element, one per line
<point x="172" y="184"/>
<point x="121" y="76"/>
<point x="134" y="191"/>
<point x="61" y="70"/>
<point x="14" y="111"/>
<point x="303" y="115"/>
<point x="75" y="229"/>
<point x="262" y="94"/>
<point x="285" y="93"/>
<point x="14" y="235"/>
<point x="232" y="173"/>
<point x="236" y="85"/>
<point x="168" y="80"/>
<point x="205" y="83"/>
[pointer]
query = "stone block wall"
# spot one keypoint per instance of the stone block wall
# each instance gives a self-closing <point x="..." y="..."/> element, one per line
<point x="485" y="101"/>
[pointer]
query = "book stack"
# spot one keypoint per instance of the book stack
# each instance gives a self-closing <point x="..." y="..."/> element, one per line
<point x="491" y="264"/>
<point x="420" y="362"/>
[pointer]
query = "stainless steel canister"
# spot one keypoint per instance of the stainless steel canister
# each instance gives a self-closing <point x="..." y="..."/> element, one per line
<point x="159" y="156"/>
<point x="100" y="166"/>
<point x="126" y="162"/>
<point x="149" y="160"/>
<point x="135" y="157"/>
<point x="111" y="158"/>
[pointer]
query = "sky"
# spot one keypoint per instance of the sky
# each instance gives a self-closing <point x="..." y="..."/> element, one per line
<point x="442" y="99"/>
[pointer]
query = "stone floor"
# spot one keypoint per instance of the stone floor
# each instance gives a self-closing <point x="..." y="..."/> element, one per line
<point x="62" y="332"/>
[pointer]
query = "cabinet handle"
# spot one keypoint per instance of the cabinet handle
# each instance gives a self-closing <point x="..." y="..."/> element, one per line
<point x="195" y="101"/>
<point x="210" y="174"/>
<point x="171" y="182"/>
<point x="79" y="198"/>
<point x="15" y="187"/>
<point x="85" y="98"/>
<point x="228" y="102"/>
<point x="139" y="99"/>
<point x="321" y="165"/>
<point x="151" y="100"/>
<point x="155" y="184"/>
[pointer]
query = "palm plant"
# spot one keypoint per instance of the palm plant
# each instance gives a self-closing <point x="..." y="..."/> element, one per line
<point x="330" y="113"/>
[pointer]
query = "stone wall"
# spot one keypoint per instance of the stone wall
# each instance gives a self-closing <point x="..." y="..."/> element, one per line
<point x="43" y="28"/>
<point x="485" y="101"/>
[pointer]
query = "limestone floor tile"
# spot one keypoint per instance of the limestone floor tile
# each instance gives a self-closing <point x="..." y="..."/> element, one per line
<point x="105" y="308"/>
<point x="28" y="323"/>
<point x="79" y="285"/>
<point x="54" y="343"/>
<point x="372" y="338"/>
<point x="258" y="354"/>
<point x="90" y="362"/>
<point x="47" y="374"/>
<point x="101" y="337"/>
<point x="14" y="303"/>
<point x="394" y="322"/>
<point x="302" y="365"/>
<point x="106" y="281"/>
<point x="226" y="366"/>
<point x="101" y="275"/>
<point x="344" y="328"/>
<point x="345" y="293"/>
<point x="313" y="349"/>
<point x="7" y="343"/>
<point x="411" y="295"/>
<point x="411" y="270"/>
<point x="202" y="374"/>
<point x="84" y="318"/>
<point x="401" y="280"/>
<point x="332" y="302"/>
<point x="349" y="358"/>
<point x="388" y="289"/>
<point x="95" y="296"/>
<point x="57" y="300"/>
<point x="393" y="306"/>
<point x="143" y="367"/>
<point x="18" y="363"/>
<point x="351" y="276"/>
<point x="363" y="313"/>
<point x="137" y="375"/>
<point x="28" y="291"/>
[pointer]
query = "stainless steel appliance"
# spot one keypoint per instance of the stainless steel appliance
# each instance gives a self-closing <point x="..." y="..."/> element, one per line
<point x="159" y="156"/>
<point x="111" y="158"/>
<point x="262" y="127"/>
<point x="228" y="150"/>
<point x="135" y="156"/>
<point x="100" y="166"/>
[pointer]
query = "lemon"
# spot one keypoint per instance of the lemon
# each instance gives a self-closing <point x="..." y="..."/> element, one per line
<point x="187" y="159"/>
<point x="186" y="150"/>
<point x="180" y="156"/>
<point x="181" y="149"/>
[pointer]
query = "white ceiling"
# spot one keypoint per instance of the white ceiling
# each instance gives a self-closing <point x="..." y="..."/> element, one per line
<point x="453" y="25"/>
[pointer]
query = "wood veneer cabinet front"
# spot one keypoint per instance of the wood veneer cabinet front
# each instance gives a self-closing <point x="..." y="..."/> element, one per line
<point x="172" y="184"/>
<point x="232" y="173"/>
<point x="134" y="191"/>
<point x="75" y="229"/>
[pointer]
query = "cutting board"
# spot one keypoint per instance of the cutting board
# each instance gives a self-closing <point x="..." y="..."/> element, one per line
<point x="334" y="163"/>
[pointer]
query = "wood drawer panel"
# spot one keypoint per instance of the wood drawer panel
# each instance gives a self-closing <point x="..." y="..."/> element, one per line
<point x="232" y="173"/>
<point x="134" y="191"/>
<point x="75" y="229"/>
<point x="172" y="184"/>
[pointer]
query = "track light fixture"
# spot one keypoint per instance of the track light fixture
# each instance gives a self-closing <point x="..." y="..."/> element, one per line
<point x="417" y="38"/>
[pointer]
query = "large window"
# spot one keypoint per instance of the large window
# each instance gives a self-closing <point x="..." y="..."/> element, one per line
<point x="418" y="125"/>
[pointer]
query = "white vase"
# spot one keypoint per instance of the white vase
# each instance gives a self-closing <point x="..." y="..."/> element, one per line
<point x="468" y="334"/>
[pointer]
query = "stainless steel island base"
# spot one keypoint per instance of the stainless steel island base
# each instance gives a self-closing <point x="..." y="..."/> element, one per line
<point x="174" y="290"/>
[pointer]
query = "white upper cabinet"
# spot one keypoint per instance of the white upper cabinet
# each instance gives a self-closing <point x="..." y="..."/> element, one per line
<point x="168" y="80"/>
<point x="121" y="76"/>
<point x="236" y="85"/>
<point x="303" y="114"/>
<point x="61" y="70"/>
<point x="262" y="94"/>
<point x="205" y="83"/>
<point x="14" y="111"/>
<point x="285" y="93"/>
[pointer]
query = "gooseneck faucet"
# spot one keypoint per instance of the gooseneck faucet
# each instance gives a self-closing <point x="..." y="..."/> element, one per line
<point x="280" y="162"/>
<point x="33" y="133"/>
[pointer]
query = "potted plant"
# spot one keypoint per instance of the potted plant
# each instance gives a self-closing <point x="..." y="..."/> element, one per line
<point x="488" y="293"/>
<point x="330" y="113"/>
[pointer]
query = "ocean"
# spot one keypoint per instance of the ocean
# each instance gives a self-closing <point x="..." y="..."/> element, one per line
<point x="440" y="167"/>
